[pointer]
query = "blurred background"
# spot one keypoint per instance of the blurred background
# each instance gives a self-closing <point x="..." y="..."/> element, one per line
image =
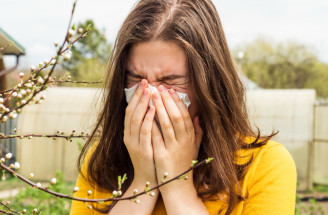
<point x="280" y="49"/>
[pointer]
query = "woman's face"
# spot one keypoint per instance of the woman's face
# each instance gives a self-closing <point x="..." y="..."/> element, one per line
<point x="160" y="63"/>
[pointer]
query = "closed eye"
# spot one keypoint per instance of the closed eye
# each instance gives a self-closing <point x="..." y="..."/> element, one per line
<point x="171" y="81"/>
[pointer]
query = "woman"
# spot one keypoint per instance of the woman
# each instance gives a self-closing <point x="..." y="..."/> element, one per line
<point x="179" y="46"/>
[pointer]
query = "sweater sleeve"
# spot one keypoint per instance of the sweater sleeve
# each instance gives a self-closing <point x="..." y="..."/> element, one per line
<point x="272" y="184"/>
<point x="78" y="207"/>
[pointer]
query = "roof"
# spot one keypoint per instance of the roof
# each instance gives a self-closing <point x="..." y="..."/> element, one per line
<point x="248" y="84"/>
<point x="14" y="49"/>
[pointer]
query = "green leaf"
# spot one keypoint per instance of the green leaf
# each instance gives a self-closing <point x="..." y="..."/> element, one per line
<point x="194" y="162"/>
<point x="124" y="178"/>
<point x="147" y="189"/>
<point x="209" y="160"/>
<point x="89" y="27"/>
<point x="119" y="180"/>
<point x="182" y="177"/>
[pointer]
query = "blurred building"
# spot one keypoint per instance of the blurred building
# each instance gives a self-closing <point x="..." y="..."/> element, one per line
<point x="8" y="46"/>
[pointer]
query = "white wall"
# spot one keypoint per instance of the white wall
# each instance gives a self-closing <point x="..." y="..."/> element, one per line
<point x="321" y="145"/>
<point x="64" y="109"/>
<point x="289" y="111"/>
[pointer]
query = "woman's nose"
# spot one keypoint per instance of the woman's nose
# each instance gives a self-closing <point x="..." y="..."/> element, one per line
<point x="153" y="83"/>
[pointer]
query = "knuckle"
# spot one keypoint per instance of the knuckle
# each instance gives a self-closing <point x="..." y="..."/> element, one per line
<point x="157" y="139"/>
<point x="167" y="126"/>
<point x="144" y="131"/>
<point x="185" y="115"/>
<point x="160" y="157"/>
<point x="134" y="121"/>
<point x="148" y="155"/>
<point x="177" y="118"/>
<point x="149" y="116"/>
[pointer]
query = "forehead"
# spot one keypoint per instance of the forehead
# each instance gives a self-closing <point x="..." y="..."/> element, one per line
<point x="156" y="59"/>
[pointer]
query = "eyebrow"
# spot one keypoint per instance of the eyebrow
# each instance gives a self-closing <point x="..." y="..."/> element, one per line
<point x="130" y="73"/>
<point x="165" y="77"/>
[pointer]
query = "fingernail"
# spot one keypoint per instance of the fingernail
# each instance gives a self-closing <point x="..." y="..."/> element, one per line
<point x="142" y="83"/>
<point x="156" y="95"/>
<point x="161" y="88"/>
<point x="145" y="92"/>
<point x="171" y="91"/>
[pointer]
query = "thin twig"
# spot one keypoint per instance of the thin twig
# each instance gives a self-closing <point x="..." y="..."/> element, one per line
<point x="60" y="195"/>
<point x="77" y="82"/>
<point x="60" y="51"/>
<point x="41" y="135"/>
<point x="8" y="208"/>
<point x="43" y="85"/>
<point x="9" y="213"/>
<point x="61" y="81"/>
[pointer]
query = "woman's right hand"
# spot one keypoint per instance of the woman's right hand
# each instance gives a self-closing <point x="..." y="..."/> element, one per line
<point x="137" y="135"/>
<point x="137" y="139"/>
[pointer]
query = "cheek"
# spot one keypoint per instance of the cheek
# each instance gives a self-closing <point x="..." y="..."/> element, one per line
<point x="193" y="108"/>
<point x="129" y="85"/>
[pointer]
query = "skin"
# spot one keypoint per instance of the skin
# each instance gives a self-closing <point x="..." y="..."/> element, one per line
<point x="164" y="65"/>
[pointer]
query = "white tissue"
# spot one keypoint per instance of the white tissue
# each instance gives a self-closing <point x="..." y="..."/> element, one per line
<point x="130" y="91"/>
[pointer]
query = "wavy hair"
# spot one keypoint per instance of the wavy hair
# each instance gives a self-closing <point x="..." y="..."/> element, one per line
<point x="196" y="27"/>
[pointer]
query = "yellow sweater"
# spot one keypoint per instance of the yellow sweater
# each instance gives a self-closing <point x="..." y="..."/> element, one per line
<point x="270" y="182"/>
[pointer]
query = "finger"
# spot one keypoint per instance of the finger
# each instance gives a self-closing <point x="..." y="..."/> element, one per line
<point x="198" y="132"/>
<point x="157" y="140"/>
<point x="139" y="113"/>
<point x="132" y="105"/>
<point x="173" y="112"/>
<point x="146" y="129"/>
<point x="164" y="120"/>
<point x="183" y="110"/>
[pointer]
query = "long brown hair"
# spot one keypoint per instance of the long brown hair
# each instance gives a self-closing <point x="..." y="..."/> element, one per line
<point x="195" y="26"/>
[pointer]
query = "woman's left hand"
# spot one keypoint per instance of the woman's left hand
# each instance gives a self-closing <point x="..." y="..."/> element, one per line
<point x="179" y="145"/>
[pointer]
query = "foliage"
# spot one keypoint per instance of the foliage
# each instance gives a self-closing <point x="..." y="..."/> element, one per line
<point x="93" y="49"/>
<point x="90" y="70"/>
<point x="320" y="188"/>
<point x="11" y="183"/>
<point x="31" y="198"/>
<point x="283" y="65"/>
<point x="310" y="208"/>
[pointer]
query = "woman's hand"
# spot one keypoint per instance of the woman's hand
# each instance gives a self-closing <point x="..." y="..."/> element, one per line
<point x="137" y="138"/>
<point x="182" y="138"/>
<point x="137" y="135"/>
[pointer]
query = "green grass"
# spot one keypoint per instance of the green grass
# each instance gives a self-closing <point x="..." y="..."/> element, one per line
<point x="29" y="198"/>
<point x="11" y="183"/>
<point x="320" y="188"/>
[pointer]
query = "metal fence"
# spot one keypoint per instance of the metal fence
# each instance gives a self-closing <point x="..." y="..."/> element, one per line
<point x="319" y="148"/>
<point x="9" y="144"/>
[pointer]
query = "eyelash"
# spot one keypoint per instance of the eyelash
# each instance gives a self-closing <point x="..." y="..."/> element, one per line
<point x="173" y="86"/>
